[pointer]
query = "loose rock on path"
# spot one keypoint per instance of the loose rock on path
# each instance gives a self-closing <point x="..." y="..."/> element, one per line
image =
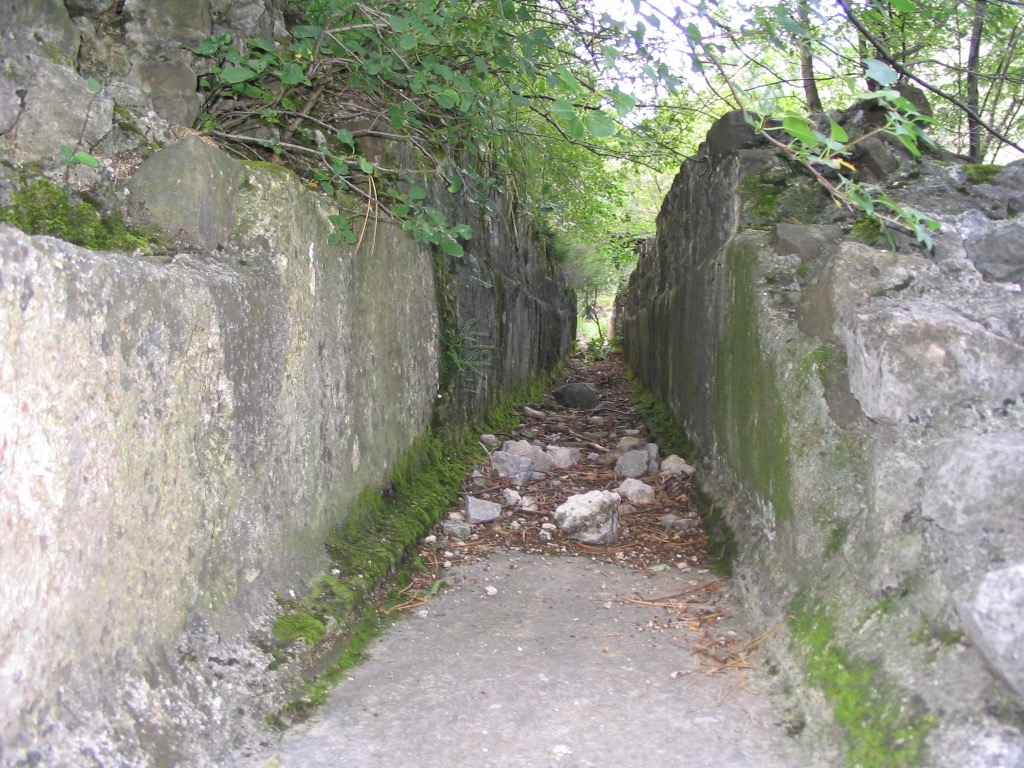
<point x="546" y="650"/>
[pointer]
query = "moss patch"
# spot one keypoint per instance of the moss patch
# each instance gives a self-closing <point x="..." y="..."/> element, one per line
<point x="294" y="625"/>
<point x="750" y="420"/>
<point x="867" y="230"/>
<point x="978" y="173"/>
<point x="42" y="208"/>
<point x="880" y="730"/>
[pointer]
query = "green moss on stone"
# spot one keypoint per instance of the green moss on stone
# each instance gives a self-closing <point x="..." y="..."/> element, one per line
<point x="836" y="538"/>
<point x="779" y="195"/>
<point x="296" y="625"/>
<point x="40" y="207"/>
<point x="749" y="414"/>
<point x="978" y="173"/>
<point x="880" y="729"/>
<point x="867" y="230"/>
<point x="821" y="361"/>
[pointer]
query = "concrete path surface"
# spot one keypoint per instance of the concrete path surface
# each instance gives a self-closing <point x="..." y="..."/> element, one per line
<point x="531" y="661"/>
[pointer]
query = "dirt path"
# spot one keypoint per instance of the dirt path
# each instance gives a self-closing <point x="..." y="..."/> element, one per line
<point x="542" y="651"/>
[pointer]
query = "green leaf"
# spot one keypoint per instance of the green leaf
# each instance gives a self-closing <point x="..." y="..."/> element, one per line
<point x="407" y="41"/>
<point x="447" y="99"/>
<point x="568" y="78"/>
<point x="236" y="74"/>
<point x="837" y="133"/>
<point x="84" y="158"/>
<point x="624" y="103"/>
<point x="451" y="246"/>
<point x="260" y="44"/>
<point x="306" y="32"/>
<point x="904" y="6"/>
<point x="799" y="128"/>
<point x="577" y="130"/>
<point x="293" y="74"/>
<point x="398" y="23"/>
<point x="346" y="138"/>
<point x="94" y="85"/>
<point x="417" y="192"/>
<point x="880" y="72"/>
<point x="463" y="231"/>
<point x="455" y="186"/>
<point x="563" y="110"/>
<point x="365" y="166"/>
<point x="600" y="124"/>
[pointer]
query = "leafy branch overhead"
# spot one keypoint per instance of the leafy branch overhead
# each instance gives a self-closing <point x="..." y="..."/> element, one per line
<point x="388" y="105"/>
<point x="481" y="91"/>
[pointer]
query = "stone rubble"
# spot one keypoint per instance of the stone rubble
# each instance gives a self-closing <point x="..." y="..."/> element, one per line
<point x="591" y="517"/>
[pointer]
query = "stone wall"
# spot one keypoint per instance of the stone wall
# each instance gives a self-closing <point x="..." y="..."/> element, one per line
<point x="179" y="432"/>
<point x="858" y="413"/>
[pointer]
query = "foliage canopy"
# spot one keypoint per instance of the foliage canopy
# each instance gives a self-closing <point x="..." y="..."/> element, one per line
<point x="559" y="101"/>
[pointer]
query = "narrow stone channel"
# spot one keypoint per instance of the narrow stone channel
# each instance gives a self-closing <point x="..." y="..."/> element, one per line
<point x="525" y="646"/>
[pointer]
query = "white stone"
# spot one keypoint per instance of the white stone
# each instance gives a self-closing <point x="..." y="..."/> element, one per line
<point x="541" y="460"/>
<point x="592" y="517"/>
<point x="481" y="510"/>
<point x="674" y="465"/>
<point x="993" y="618"/>
<point x="512" y="498"/>
<point x="563" y="458"/>
<point x="636" y="491"/>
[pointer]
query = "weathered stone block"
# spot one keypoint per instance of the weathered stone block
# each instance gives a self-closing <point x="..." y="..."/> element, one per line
<point x="993" y="617"/>
<point x="188" y="191"/>
<point x="977" y="482"/>
<point x="906" y="360"/>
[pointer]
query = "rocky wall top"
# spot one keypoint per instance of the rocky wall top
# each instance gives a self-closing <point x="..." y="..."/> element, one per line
<point x="860" y="413"/>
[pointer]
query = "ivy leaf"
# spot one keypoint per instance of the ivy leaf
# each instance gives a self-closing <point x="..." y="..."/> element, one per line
<point x="346" y="138"/>
<point x="293" y="74"/>
<point x="236" y="74"/>
<point x="95" y="86"/>
<point x="417" y="192"/>
<point x="880" y="72"/>
<point x="305" y="32"/>
<point x="398" y="23"/>
<point x="365" y="166"/>
<point x="451" y="246"/>
<point x="407" y="41"/>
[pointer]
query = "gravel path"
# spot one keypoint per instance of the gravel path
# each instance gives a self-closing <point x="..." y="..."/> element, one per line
<point x="548" y="653"/>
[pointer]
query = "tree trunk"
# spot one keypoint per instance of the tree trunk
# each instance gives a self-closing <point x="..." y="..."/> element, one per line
<point x="976" y="133"/>
<point x="807" y="62"/>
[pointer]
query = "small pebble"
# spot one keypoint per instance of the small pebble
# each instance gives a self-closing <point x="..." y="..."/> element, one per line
<point x="428" y="540"/>
<point x="492" y="591"/>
